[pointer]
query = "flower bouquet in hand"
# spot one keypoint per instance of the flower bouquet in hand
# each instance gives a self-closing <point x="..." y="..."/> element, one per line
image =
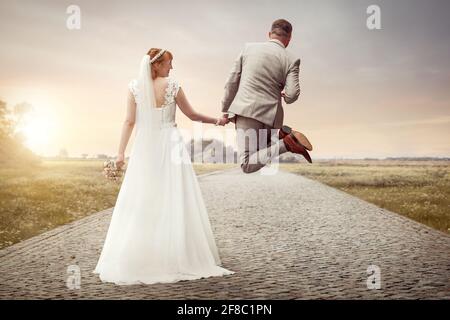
<point x="111" y="171"/>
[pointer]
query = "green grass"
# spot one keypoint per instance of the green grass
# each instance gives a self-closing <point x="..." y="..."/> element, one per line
<point x="418" y="190"/>
<point x="34" y="200"/>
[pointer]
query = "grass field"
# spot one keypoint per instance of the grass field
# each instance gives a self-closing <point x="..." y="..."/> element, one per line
<point x="33" y="201"/>
<point x="419" y="190"/>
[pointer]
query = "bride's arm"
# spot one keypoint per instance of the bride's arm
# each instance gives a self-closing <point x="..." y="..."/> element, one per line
<point x="187" y="109"/>
<point x="128" y="124"/>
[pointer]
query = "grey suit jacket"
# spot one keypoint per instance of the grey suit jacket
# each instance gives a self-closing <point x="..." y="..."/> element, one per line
<point x="257" y="78"/>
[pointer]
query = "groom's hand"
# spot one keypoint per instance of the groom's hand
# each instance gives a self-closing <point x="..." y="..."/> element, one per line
<point x="225" y="116"/>
<point x="223" y="121"/>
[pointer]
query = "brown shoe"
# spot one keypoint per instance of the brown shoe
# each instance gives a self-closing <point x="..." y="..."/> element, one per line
<point x="294" y="146"/>
<point x="300" y="137"/>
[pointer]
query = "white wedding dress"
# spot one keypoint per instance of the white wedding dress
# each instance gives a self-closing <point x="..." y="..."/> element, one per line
<point x="160" y="231"/>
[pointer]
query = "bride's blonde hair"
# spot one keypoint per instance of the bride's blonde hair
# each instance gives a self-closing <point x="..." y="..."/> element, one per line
<point x="153" y="52"/>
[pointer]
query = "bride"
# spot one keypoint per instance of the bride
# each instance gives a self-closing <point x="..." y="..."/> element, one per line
<point x="159" y="231"/>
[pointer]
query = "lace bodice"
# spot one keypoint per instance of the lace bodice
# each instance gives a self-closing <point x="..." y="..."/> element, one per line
<point x="168" y="108"/>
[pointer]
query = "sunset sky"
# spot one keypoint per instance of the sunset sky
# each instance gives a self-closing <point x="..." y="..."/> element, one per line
<point x="365" y="93"/>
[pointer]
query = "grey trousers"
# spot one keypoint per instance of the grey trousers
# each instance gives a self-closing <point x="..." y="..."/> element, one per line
<point x="257" y="143"/>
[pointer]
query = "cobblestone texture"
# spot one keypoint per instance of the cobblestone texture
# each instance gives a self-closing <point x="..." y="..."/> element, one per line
<point x="285" y="236"/>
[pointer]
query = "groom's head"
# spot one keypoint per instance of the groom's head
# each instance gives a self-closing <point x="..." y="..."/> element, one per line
<point x="281" y="30"/>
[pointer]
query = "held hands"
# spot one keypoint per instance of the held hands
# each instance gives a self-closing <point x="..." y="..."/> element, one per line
<point x="222" y="121"/>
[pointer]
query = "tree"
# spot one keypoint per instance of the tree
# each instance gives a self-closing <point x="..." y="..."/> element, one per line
<point x="12" y="150"/>
<point x="20" y="112"/>
<point x="5" y="123"/>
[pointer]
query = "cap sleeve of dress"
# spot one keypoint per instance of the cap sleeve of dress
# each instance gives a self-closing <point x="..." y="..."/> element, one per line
<point x="132" y="85"/>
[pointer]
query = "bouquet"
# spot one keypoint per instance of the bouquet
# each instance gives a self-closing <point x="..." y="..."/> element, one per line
<point x="111" y="171"/>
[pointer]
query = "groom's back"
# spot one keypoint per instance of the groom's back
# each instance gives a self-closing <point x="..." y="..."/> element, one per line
<point x="264" y="67"/>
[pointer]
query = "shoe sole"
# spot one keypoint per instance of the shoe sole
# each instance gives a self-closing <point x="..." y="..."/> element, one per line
<point x="302" y="139"/>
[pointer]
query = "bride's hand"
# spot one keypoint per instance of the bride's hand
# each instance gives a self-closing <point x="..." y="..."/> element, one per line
<point x="120" y="160"/>
<point x="222" y="121"/>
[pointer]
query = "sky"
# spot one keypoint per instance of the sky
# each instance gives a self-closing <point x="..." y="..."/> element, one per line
<point x="364" y="93"/>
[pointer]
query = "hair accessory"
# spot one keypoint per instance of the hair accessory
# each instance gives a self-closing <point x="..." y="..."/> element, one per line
<point x="157" y="56"/>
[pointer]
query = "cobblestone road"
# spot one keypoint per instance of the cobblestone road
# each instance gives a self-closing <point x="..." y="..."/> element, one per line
<point x="285" y="236"/>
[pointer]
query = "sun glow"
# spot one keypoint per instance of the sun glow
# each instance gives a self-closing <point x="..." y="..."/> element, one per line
<point x="39" y="131"/>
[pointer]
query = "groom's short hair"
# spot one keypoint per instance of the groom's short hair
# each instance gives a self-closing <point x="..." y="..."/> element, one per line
<point x="281" y="27"/>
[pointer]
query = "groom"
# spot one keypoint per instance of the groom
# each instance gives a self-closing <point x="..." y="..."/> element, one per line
<point x="262" y="75"/>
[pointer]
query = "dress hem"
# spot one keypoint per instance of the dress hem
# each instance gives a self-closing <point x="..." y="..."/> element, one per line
<point x="176" y="278"/>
